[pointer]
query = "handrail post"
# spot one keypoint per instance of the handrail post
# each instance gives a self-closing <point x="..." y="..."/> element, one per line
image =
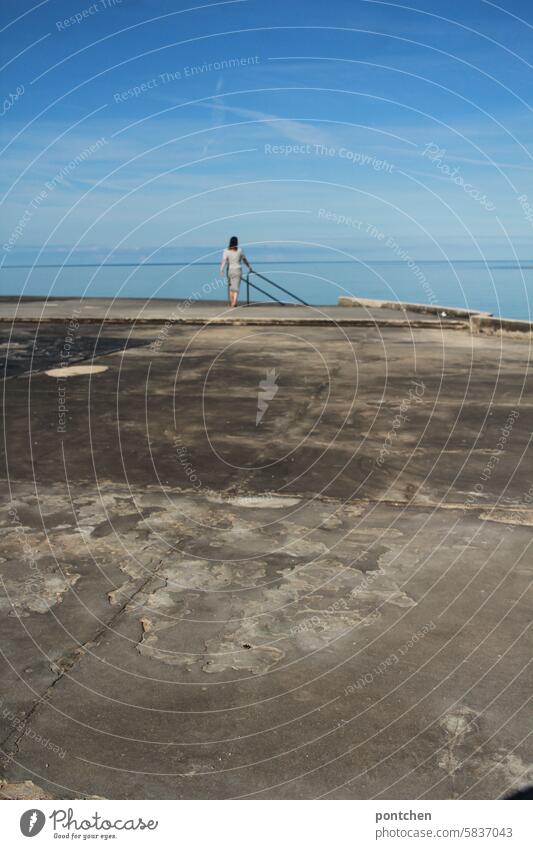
<point x="248" y="289"/>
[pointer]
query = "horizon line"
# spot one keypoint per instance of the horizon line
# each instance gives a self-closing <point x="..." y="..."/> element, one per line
<point x="513" y="263"/>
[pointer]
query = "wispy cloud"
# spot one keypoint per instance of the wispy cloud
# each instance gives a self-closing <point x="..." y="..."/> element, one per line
<point x="298" y="131"/>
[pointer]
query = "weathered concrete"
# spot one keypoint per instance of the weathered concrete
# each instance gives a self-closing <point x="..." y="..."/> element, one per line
<point x="330" y="602"/>
<point x="408" y="307"/>
<point x="137" y="311"/>
<point x="494" y="324"/>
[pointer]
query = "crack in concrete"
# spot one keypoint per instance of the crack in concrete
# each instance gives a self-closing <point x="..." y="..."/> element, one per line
<point x="10" y="743"/>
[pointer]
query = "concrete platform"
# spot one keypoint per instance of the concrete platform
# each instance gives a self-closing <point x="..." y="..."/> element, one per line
<point x="162" y="311"/>
<point x="265" y="562"/>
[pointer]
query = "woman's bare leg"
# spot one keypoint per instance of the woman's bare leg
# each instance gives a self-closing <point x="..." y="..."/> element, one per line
<point x="233" y="297"/>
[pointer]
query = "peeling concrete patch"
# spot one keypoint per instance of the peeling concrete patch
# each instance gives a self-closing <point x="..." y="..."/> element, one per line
<point x="239" y="651"/>
<point x="467" y="757"/>
<point x="22" y="790"/>
<point x="149" y="645"/>
<point x="219" y="607"/>
<point x="331" y="522"/>
<point x="212" y="577"/>
<point x="75" y="371"/>
<point x="456" y="725"/>
<point x="310" y="605"/>
<point x="271" y="589"/>
<point x="256" y="501"/>
<point x="139" y="567"/>
<point x="305" y="548"/>
<point x="38" y="591"/>
<point x="85" y="531"/>
<point x="12" y="346"/>
<point x="396" y="597"/>
<point x="515" y="771"/>
<point x="508" y="517"/>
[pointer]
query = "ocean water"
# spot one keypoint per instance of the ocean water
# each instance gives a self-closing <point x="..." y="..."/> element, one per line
<point x="502" y="288"/>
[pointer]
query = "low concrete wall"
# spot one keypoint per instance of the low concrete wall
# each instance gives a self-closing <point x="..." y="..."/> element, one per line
<point x="479" y="322"/>
<point x="493" y="324"/>
<point x="428" y="309"/>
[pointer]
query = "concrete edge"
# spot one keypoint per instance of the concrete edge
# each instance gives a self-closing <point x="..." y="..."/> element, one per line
<point x="495" y="325"/>
<point x="266" y="322"/>
<point x="428" y="309"/>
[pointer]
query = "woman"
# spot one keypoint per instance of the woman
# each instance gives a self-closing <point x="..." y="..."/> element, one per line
<point x="232" y="257"/>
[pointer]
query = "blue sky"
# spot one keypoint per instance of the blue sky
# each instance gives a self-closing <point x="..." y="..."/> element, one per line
<point x="157" y="129"/>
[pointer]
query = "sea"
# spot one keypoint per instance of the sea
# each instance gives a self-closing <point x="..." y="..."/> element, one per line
<point x="502" y="287"/>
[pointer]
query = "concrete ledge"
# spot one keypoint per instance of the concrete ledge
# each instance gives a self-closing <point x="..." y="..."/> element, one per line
<point x="493" y="324"/>
<point x="428" y="309"/>
<point x="253" y="321"/>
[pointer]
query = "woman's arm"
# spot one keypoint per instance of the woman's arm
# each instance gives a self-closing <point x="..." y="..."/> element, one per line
<point x="223" y="263"/>
<point x="244" y="259"/>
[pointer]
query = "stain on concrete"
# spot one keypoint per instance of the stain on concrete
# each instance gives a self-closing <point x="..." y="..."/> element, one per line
<point x="456" y="725"/>
<point x="37" y="593"/>
<point x="75" y="371"/>
<point x="22" y="790"/>
<point x="268" y="502"/>
<point x="470" y="756"/>
<point x="34" y="349"/>
<point x="508" y="517"/>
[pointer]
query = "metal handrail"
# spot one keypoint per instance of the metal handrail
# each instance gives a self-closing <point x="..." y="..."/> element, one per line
<point x="272" y="283"/>
<point x="248" y="284"/>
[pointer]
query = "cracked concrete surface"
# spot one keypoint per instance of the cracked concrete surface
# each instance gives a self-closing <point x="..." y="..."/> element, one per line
<point x="302" y="622"/>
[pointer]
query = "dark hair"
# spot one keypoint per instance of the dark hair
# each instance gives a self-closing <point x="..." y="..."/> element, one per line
<point x="233" y="242"/>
